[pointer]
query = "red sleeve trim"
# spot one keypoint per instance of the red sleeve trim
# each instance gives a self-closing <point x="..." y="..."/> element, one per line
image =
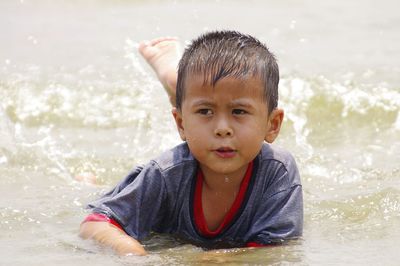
<point x="98" y="217"/>
<point x="257" y="245"/>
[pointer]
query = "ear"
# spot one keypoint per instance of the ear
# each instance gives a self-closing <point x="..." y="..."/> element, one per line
<point x="274" y="125"/>
<point x="179" y="122"/>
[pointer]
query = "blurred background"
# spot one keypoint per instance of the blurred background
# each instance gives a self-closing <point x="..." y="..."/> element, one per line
<point x="76" y="99"/>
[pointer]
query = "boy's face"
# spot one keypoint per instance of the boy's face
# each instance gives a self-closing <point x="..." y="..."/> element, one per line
<point x="225" y="125"/>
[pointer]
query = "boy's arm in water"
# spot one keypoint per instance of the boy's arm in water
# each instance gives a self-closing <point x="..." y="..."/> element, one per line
<point x="120" y="222"/>
<point x="109" y="235"/>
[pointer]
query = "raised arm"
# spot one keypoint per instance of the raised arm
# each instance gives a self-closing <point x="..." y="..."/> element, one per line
<point x="110" y="235"/>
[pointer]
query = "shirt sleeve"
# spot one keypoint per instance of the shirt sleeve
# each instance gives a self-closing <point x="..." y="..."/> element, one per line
<point x="280" y="214"/>
<point x="98" y="217"/>
<point x="137" y="202"/>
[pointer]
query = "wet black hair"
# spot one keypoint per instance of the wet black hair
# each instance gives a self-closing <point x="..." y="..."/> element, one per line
<point x="220" y="54"/>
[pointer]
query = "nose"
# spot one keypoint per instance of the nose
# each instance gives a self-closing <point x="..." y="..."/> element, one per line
<point x="223" y="129"/>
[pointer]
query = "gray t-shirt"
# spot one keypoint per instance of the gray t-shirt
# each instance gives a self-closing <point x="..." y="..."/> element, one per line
<point x="158" y="197"/>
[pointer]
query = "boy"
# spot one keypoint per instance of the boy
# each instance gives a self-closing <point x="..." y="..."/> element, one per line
<point x="223" y="187"/>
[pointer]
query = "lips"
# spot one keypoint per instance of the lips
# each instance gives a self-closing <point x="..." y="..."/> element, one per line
<point x="225" y="152"/>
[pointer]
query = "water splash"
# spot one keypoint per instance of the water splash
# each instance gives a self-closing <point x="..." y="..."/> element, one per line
<point x="295" y="95"/>
<point x="7" y="134"/>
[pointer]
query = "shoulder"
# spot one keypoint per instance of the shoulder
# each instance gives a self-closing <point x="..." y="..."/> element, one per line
<point x="172" y="169"/>
<point x="177" y="157"/>
<point x="176" y="169"/>
<point x="279" y="154"/>
<point x="277" y="160"/>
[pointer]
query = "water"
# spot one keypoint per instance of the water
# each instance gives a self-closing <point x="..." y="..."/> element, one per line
<point x="76" y="98"/>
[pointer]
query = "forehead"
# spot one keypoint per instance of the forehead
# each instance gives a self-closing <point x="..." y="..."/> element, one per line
<point x="248" y="86"/>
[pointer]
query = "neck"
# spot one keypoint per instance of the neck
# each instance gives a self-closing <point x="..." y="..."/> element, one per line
<point x="223" y="182"/>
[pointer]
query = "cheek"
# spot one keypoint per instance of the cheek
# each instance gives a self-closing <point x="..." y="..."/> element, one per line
<point x="197" y="148"/>
<point x="194" y="134"/>
<point x="255" y="137"/>
<point x="252" y="131"/>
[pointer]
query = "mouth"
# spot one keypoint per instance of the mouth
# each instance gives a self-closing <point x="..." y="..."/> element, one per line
<point x="225" y="152"/>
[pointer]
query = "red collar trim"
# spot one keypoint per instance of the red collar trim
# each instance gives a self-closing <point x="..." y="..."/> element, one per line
<point x="199" y="219"/>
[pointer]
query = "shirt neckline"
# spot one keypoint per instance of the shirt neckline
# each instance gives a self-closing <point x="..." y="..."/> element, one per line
<point x="199" y="218"/>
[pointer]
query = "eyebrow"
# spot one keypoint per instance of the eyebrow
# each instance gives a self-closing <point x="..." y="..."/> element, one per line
<point x="203" y="102"/>
<point x="241" y="103"/>
<point x="235" y="103"/>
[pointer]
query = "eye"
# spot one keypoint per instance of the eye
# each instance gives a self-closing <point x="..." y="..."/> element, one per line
<point x="239" y="112"/>
<point x="205" y="111"/>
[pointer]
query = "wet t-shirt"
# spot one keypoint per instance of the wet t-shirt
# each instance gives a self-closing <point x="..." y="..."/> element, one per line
<point x="161" y="197"/>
